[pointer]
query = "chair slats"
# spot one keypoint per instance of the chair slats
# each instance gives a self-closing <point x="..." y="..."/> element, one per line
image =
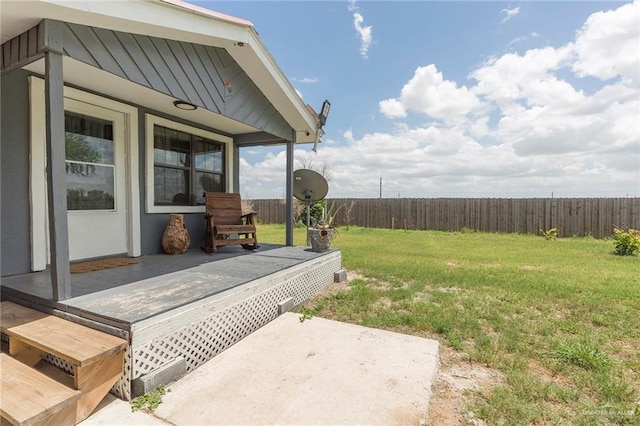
<point x="225" y="219"/>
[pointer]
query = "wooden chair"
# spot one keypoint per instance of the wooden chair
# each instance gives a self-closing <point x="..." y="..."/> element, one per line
<point x="224" y="218"/>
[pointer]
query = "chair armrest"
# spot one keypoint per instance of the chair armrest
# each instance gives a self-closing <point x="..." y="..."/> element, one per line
<point x="248" y="217"/>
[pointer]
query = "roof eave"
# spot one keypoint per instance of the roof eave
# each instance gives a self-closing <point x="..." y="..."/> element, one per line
<point x="276" y="86"/>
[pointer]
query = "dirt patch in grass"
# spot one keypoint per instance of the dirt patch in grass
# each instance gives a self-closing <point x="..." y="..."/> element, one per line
<point x="457" y="380"/>
<point x="531" y="268"/>
<point x="547" y="376"/>
<point x="450" y="289"/>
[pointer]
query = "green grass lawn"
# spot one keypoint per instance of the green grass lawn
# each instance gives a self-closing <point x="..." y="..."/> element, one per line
<point x="559" y="318"/>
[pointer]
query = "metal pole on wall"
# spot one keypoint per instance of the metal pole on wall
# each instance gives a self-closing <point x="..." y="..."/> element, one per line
<point x="380" y="188"/>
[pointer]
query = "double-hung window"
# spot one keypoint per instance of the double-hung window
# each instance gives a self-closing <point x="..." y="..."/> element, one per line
<point x="186" y="163"/>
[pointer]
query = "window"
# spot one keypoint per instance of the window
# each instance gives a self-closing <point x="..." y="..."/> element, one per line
<point x="89" y="151"/>
<point x="185" y="162"/>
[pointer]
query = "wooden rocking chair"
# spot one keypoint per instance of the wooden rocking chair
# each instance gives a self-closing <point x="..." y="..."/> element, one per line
<point x="224" y="217"/>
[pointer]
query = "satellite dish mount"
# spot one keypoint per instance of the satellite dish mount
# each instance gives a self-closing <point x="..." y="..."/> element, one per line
<point x="309" y="186"/>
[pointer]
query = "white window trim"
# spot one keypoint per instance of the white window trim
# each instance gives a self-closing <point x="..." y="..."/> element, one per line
<point x="38" y="192"/>
<point x="152" y="120"/>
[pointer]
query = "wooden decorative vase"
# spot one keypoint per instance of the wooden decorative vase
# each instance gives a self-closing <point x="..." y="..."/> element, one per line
<point x="175" y="239"/>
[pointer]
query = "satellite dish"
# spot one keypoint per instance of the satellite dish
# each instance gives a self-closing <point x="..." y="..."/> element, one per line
<point x="309" y="186"/>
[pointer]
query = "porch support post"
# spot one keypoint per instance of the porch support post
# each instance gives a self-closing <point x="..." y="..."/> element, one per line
<point x="289" y="194"/>
<point x="236" y="168"/>
<point x="56" y="185"/>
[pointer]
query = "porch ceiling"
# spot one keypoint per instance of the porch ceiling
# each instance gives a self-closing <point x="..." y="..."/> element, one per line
<point x="102" y="82"/>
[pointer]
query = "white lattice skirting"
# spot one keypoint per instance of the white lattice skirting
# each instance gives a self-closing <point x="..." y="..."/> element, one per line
<point x="217" y="323"/>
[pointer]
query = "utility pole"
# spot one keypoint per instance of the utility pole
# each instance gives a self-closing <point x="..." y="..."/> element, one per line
<point x="380" y="188"/>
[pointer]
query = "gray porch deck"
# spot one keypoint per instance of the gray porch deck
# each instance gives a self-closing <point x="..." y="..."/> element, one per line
<point x="159" y="283"/>
<point x="185" y="308"/>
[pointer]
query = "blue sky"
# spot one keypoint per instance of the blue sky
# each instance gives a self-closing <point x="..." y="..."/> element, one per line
<point x="458" y="99"/>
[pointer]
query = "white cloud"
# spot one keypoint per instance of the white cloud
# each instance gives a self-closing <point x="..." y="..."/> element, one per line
<point x="305" y="80"/>
<point x="429" y="93"/>
<point x="392" y="108"/>
<point x="524" y="123"/>
<point x="524" y="126"/>
<point x="526" y="77"/>
<point x="608" y="44"/>
<point x="365" y="33"/>
<point x="509" y="13"/>
<point x="272" y="172"/>
<point x="542" y="114"/>
<point x="523" y="38"/>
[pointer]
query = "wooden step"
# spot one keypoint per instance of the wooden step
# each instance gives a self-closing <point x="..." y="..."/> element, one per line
<point x="75" y="343"/>
<point x="97" y="358"/>
<point x="31" y="398"/>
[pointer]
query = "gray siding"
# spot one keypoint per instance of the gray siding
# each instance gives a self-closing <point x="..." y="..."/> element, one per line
<point x="186" y="71"/>
<point x="15" y="253"/>
<point x="152" y="225"/>
<point x="22" y="49"/>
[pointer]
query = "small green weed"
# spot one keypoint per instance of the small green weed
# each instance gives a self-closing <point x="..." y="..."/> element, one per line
<point x="551" y="234"/>
<point x="627" y="242"/>
<point x="467" y="230"/>
<point x="150" y="400"/>
<point x="306" y="313"/>
<point x="616" y="389"/>
<point x="582" y="354"/>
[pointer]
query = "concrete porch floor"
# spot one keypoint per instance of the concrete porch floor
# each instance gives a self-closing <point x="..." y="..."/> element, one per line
<point x="316" y="372"/>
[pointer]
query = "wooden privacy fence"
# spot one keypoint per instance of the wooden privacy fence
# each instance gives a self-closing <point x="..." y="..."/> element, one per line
<point x="572" y="216"/>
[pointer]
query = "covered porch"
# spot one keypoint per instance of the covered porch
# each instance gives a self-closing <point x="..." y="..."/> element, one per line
<point x="114" y="117"/>
<point x="177" y="312"/>
<point x="123" y="116"/>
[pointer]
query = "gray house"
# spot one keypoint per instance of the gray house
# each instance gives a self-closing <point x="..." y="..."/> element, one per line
<point x="115" y="115"/>
<point x="152" y="99"/>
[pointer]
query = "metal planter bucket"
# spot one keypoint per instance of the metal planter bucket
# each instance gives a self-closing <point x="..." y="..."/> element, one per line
<point x="320" y="239"/>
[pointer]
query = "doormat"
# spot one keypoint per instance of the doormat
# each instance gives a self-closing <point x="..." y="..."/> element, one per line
<point x="96" y="265"/>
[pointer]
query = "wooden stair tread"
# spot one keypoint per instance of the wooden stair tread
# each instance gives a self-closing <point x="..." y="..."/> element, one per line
<point x="29" y="396"/>
<point x="74" y="343"/>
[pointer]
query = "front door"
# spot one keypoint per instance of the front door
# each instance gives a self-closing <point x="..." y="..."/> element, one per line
<point x="101" y="147"/>
<point x="96" y="180"/>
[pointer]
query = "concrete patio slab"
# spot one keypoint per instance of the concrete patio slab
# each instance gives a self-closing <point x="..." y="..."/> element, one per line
<point x="316" y="372"/>
<point x="113" y="411"/>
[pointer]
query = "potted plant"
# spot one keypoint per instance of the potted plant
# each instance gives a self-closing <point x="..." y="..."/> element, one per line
<point x="322" y="234"/>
